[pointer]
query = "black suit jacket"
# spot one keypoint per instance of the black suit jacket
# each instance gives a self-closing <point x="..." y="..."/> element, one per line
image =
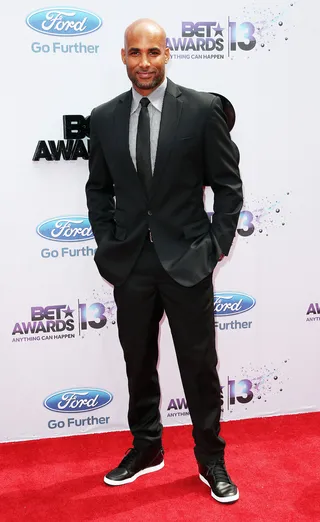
<point x="194" y="149"/>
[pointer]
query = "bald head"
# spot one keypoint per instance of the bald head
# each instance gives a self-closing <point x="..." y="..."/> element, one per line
<point x="145" y="55"/>
<point x="144" y="26"/>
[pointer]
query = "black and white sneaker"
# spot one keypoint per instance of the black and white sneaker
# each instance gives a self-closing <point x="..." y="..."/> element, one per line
<point x="134" y="464"/>
<point x="216" y="477"/>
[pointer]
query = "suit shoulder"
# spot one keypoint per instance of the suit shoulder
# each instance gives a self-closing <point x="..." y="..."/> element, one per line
<point x="200" y="97"/>
<point x="108" y="107"/>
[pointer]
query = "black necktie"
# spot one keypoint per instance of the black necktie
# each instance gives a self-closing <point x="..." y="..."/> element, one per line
<point x="143" y="157"/>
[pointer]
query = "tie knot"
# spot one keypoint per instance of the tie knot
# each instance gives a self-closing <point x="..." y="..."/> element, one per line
<point x="144" y="102"/>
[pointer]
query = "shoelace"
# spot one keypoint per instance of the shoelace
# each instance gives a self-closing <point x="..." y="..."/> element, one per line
<point x="218" y="470"/>
<point x="130" y="455"/>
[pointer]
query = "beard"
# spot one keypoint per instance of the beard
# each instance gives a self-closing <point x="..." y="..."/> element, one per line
<point x="157" y="79"/>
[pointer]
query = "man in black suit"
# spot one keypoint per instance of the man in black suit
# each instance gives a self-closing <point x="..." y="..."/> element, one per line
<point x="152" y="150"/>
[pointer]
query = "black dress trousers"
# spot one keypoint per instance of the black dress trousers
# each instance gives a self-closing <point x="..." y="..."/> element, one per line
<point x="141" y="301"/>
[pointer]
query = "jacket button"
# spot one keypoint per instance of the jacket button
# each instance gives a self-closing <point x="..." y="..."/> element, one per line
<point x="149" y="213"/>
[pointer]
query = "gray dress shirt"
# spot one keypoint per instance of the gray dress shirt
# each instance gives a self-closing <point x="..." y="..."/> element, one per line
<point x="155" y="109"/>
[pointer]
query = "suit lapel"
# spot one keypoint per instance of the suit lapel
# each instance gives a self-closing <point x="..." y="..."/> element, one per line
<point x="121" y="126"/>
<point x="171" y="111"/>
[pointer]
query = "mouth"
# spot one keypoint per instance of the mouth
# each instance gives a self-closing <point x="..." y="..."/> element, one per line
<point x="145" y="75"/>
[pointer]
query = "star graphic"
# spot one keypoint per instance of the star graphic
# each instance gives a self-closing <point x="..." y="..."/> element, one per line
<point x="218" y="29"/>
<point x="68" y="312"/>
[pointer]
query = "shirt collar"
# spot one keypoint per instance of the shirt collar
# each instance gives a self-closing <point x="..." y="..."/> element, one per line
<point x="156" y="97"/>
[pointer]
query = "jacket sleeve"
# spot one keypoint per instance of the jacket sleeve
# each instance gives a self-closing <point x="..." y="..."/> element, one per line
<point x="222" y="174"/>
<point x="99" y="188"/>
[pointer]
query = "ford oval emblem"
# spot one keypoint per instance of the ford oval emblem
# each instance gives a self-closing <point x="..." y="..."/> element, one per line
<point x="232" y="303"/>
<point x="66" y="229"/>
<point x="63" y="21"/>
<point x="77" y="400"/>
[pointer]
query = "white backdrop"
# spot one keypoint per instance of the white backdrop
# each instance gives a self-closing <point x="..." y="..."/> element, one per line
<point x="58" y="319"/>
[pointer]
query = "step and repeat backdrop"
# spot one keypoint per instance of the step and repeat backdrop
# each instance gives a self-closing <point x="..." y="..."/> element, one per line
<point x="62" y="370"/>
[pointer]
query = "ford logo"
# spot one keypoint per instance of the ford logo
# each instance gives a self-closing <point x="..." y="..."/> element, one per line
<point x="232" y="303"/>
<point x="63" y="21"/>
<point x="66" y="228"/>
<point x="77" y="400"/>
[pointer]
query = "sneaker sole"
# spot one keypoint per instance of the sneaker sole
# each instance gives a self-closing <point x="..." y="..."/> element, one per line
<point x="223" y="500"/>
<point x="132" y="479"/>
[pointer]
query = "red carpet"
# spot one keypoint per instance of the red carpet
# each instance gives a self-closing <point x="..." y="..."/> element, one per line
<point x="275" y="462"/>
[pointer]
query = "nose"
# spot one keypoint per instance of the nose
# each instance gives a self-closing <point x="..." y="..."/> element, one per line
<point x="144" y="62"/>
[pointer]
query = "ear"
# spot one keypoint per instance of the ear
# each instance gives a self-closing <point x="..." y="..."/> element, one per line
<point x="167" y="54"/>
<point x="123" y="56"/>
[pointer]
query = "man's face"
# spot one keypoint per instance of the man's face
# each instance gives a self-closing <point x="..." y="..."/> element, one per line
<point x="145" y="56"/>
